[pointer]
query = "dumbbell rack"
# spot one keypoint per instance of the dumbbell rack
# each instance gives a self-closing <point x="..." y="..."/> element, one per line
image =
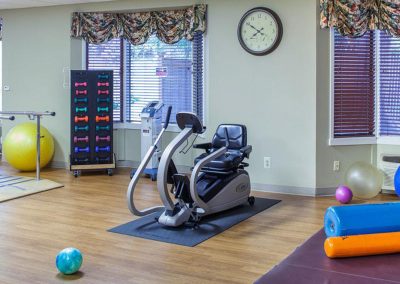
<point x="92" y="121"/>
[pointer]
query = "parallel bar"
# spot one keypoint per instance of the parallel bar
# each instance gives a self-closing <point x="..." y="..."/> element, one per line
<point x="33" y="113"/>
<point x="7" y="117"/>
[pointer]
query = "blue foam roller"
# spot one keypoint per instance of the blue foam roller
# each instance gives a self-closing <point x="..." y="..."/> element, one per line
<point x="397" y="181"/>
<point x="362" y="219"/>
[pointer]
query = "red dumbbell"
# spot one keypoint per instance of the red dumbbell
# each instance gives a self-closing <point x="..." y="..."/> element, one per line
<point x="100" y="92"/>
<point x="81" y="119"/>
<point x="77" y="92"/>
<point x="81" y="139"/>
<point x="104" y="138"/>
<point x="82" y="84"/>
<point x="102" y="118"/>
<point x="103" y="84"/>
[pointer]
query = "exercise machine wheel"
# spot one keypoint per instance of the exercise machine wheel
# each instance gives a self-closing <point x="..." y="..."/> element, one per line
<point x="110" y="172"/>
<point x="153" y="177"/>
<point x="76" y="173"/>
<point x="251" y="200"/>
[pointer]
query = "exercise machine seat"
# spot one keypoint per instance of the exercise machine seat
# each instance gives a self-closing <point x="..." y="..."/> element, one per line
<point x="236" y="152"/>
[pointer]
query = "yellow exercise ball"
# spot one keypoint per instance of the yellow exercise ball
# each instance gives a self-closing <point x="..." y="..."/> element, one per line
<point x="19" y="146"/>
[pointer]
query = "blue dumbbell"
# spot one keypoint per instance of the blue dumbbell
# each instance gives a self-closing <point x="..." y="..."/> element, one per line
<point x="103" y="100"/>
<point x="102" y="109"/>
<point x="81" y="109"/>
<point x="102" y="77"/>
<point x="80" y="100"/>
<point x="79" y="160"/>
<point x="81" y="128"/>
<point x="99" y="128"/>
<point x="78" y="149"/>
<point x="103" y="160"/>
<point x="103" y="149"/>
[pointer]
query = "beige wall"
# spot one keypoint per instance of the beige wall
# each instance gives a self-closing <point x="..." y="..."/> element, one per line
<point x="282" y="97"/>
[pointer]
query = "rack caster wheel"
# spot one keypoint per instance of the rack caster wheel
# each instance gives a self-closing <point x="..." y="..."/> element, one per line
<point x="76" y="173"/>
<point x="110" y="172"/>
<point x="251" y="200"/>
<point x="153" y="178"/>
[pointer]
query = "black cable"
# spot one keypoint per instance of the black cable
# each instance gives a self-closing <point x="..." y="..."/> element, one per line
<point x="185" y="151"/>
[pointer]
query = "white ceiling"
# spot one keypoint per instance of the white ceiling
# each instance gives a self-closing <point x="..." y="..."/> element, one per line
<point x="13" y="4"/>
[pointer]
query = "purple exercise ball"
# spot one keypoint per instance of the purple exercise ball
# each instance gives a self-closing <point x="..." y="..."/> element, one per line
<point x="343" y="194"/>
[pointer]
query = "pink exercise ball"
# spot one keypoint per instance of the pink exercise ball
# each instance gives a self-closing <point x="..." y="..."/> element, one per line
<point x="343" y="194"/>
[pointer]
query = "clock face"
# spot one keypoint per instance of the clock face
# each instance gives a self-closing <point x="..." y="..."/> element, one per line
<point x="260" y="31"/>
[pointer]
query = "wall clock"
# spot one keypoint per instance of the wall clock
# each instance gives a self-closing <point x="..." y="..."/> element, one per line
<point x="260" y="31"/>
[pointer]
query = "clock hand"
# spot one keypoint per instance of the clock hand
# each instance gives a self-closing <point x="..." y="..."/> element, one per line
<point x="254" y="27"/>
<point x="258" y="32"/>
<point x="254" y="35"/>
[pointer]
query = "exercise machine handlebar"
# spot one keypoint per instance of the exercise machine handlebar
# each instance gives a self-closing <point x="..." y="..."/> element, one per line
<point x="132" y="185"/>
<point x="167" y="117"/>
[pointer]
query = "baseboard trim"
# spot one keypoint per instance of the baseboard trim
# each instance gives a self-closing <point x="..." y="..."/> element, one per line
<point x="325" y="191"/>
<point x="58" y="165"/>
<point x="273" y="188"/>
<point x="293" y="190"/>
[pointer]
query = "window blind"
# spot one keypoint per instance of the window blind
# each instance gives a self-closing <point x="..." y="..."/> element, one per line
<point x="171" y="73"/>
<point x="107" y="56"/>
<point x="354" y="86"/>
<point x="389" y="85"/>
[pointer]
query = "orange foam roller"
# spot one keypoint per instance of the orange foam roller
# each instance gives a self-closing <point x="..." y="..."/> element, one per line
<point x="361" y="245"/>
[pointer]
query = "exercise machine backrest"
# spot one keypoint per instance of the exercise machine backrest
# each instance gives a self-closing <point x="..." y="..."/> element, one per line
<point x="236" y="134"/>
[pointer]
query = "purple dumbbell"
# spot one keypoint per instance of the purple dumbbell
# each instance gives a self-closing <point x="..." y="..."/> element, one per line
<point x="81" y="139"/>
<point x="78" y="150"/>
<point x="84" y="160"/>
<point x="103" y="138"/>
<point x="103" y="149"/>
<point x="102" y="160"/>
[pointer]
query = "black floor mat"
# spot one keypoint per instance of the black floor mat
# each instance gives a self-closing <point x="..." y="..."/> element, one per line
<point x="148" y="228"/>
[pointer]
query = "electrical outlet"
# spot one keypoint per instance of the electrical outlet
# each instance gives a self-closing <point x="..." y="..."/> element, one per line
<point x="336" y="166"/>
<point x="267" y="162"/>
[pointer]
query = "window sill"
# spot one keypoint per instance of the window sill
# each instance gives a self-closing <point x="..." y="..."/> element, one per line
<point x="137" y="126"/>
<point x="385" y="140"/>
<point x="389" y="140"/>
<point x="352" y="141"/>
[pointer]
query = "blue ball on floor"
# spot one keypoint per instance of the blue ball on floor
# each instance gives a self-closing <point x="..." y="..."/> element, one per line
<point x="69" y="260"/>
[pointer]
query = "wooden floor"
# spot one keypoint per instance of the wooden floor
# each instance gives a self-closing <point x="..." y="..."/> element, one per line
<point x="35" y="228"/>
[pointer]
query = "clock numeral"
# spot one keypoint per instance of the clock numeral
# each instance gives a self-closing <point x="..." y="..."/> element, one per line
<point x="252" y="18"/>
<point x="259" y="16"/>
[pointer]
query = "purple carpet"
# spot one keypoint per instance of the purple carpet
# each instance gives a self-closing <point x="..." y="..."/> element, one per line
<point x="308" y="264"/>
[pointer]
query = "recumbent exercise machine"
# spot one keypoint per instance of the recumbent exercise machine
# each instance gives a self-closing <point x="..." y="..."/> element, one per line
<point x="218" y="180"/>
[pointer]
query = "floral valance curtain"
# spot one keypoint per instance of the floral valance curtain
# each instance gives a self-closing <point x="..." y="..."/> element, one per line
<point x="355" y="17"/>
<point x="169" y="26"/>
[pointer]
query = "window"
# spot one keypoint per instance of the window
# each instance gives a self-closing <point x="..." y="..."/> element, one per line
<point x="109" y="56"/>
<point x="366" y="86"/>
<point x="171" y="73"/>
<point x="389" y="85"/>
